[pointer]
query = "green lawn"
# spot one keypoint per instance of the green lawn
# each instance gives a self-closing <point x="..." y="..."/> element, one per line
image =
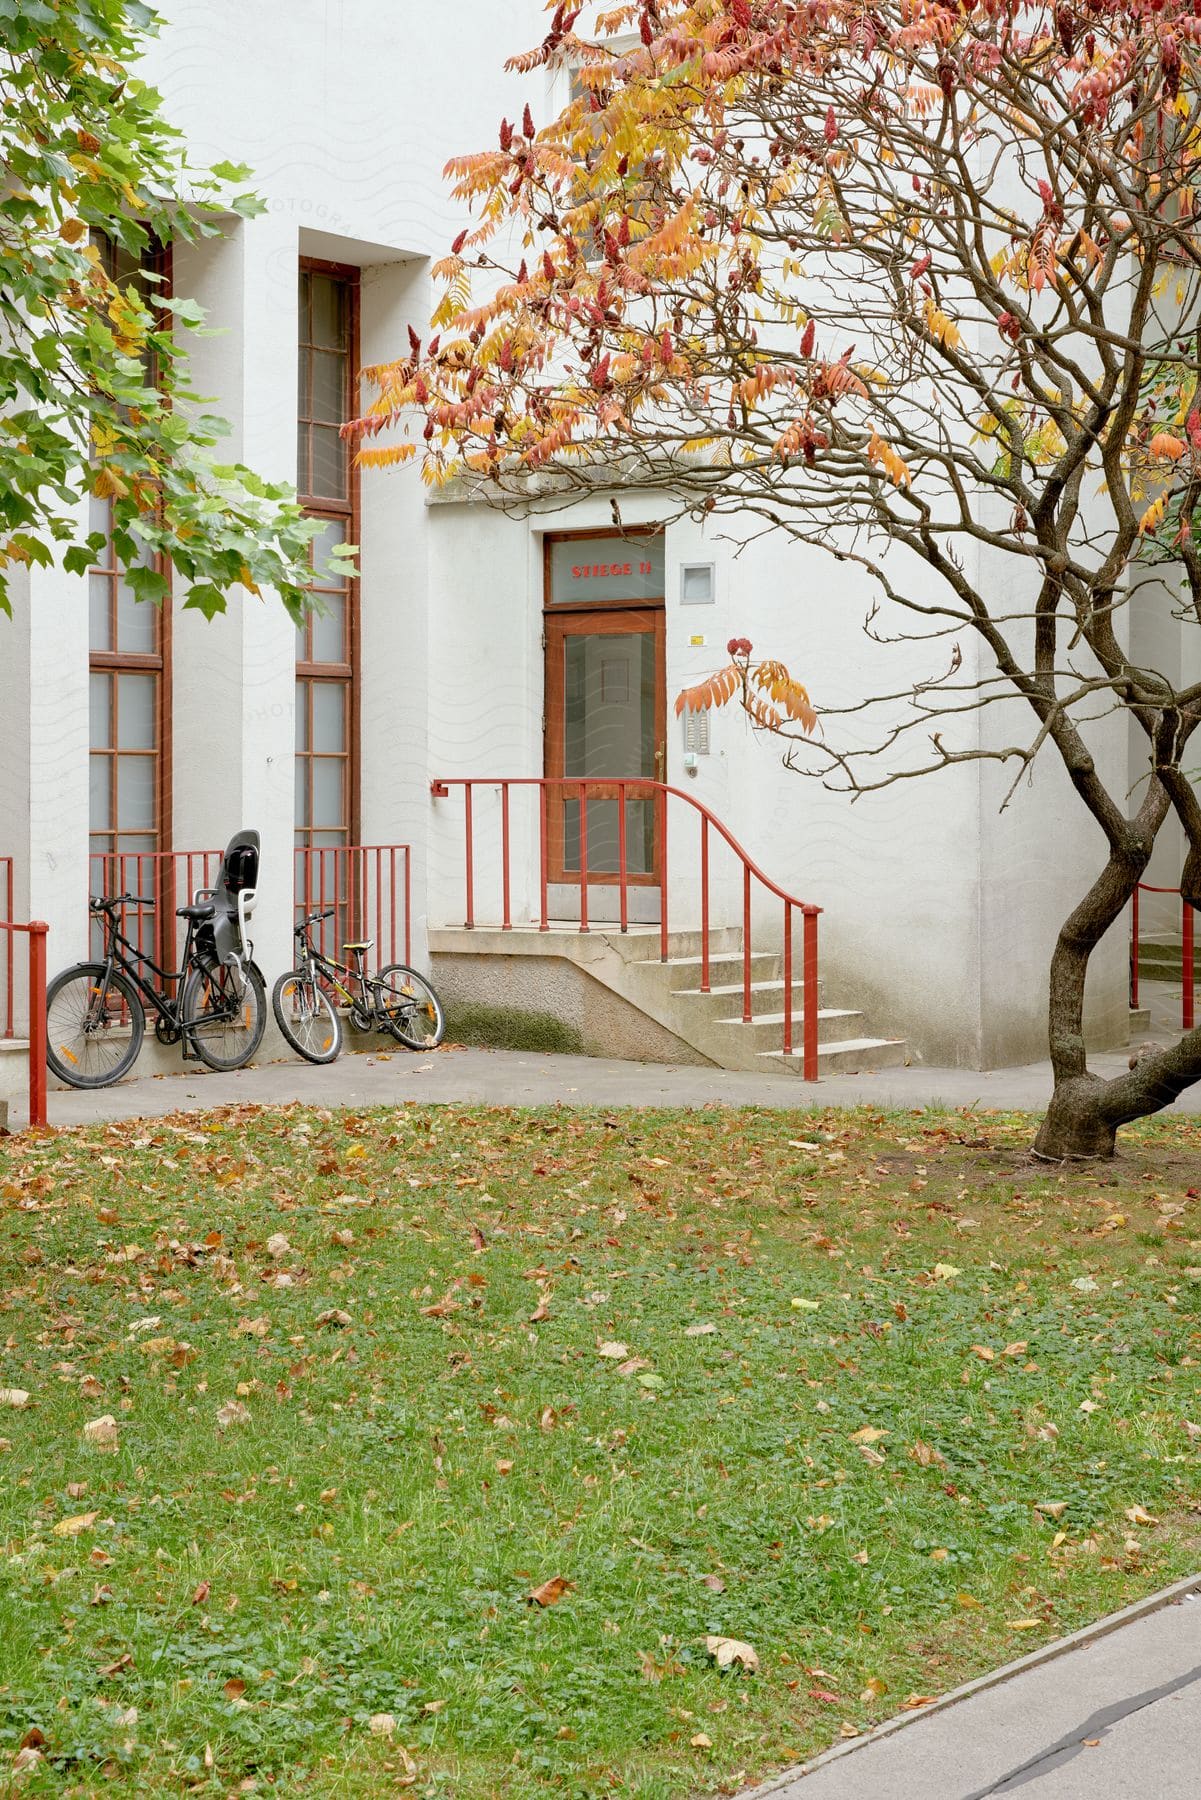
<point x="803" y="1381"/>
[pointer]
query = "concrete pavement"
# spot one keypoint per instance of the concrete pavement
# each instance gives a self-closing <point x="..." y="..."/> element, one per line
<point x="1111" y="1714"/>
<point x="520" y="1078"/>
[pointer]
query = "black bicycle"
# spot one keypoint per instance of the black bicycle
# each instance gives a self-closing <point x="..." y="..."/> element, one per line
<point x="96" y="1011"/>
<point x="397" y="1000"/>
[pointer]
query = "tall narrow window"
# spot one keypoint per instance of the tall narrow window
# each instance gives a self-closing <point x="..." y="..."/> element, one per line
<point x="326" y="658"/>
<point x="129" y="643"/>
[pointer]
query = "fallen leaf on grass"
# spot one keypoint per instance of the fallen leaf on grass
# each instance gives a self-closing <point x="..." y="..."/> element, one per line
<point x="873" y="1690"/>
<point x="234" y="1688"/>
<point x="701" y="1742"/>
<point x="926" y="1456"/>
<point x="257" y="1328"/>
<point x="17" y="1397"/>
<point x="946" y="1271"/>
<point x="967" y="1600"/>
<point x="873" y="1458"/>
<point x="277" y="1245"/>
<point x="1054" y="1509"/>
<point x="614" y="1351"/>
<point x="201" y="1593"/>
<point x="381" y="1724"/>
<point x="698" y="1330"/>
<point x="726" y="1652"/>
<point x="803" y="1305"/>
<point x="333" y="1315"/>
<point x="868" y="1434"/>
<point x="72" y="1527"/>
<point x="632" y="1364"/>
<point x="714" y="1583"/>
<point x="541" y="1311"/>
<point x="1022" y="1624"/>
<point x="984" y="1353"/>
<point x="232" y="1413"/>
<point x="550" y="1592"/>
<point x="1138" y="1515"/>
<point x="102" y="1432"/>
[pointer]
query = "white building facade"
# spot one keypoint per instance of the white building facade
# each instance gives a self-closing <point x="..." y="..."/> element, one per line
<point x="480" y="645"/>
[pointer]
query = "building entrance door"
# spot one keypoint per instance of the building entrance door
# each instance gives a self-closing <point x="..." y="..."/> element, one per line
<point x="605" y="721"/>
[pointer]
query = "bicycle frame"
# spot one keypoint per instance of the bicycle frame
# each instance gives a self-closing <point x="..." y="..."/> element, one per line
<point x="313" y="959"/>
<point x="120" y="953"/>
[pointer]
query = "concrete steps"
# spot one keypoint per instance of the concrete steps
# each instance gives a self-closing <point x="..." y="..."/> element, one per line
<point x="680" y="1022"/>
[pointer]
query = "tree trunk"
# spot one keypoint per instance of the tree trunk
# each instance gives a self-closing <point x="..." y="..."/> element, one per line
<point x="1075" y="1124"/>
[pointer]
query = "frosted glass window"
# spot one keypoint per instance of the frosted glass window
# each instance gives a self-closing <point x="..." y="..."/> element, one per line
<point x="136" y="697"/>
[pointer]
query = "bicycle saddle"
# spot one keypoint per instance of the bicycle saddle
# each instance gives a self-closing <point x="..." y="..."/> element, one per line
<point x="202" y="910"/>
<point x="366" y="944"/>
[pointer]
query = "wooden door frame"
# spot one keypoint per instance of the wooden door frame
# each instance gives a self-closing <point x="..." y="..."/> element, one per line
<point x="607" y="619"/>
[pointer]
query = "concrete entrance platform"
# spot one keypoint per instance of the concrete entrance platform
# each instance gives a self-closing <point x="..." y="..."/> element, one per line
<point x="1113" y="1713"/>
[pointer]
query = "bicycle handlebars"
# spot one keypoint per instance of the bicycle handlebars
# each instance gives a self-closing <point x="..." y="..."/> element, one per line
<point x="313" y="919"/>
<point x="103" y="903"/>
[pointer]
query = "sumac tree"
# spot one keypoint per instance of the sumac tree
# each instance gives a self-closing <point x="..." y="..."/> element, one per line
<point x="918" y="283"/>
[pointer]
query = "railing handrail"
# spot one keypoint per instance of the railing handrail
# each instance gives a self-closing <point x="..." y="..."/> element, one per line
<point x="619" y="786"/>
<point x="37" y="931"/>
<point x="440" y="787"/>
<point x="1188" y="1004"/>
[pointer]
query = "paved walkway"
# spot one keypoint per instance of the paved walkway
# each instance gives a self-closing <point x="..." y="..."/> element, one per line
<point x="1117" y="1717"/>
<point x="514" y="1078"/>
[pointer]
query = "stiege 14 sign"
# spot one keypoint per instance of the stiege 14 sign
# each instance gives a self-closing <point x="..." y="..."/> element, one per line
<point x="591" y="571"/>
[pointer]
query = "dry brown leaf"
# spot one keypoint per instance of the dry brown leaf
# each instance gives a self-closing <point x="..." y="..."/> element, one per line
<point x="726" y="1652"/>
<point x="333" y="1315"/>
<point x="872" y="1457"/>
<point x="257" y="1328"/>
<point x="614" y="1351"/>
<point x="868" y="1434"/>
<point x="698" y="1330"/>
<point x="18" y="1397"/>
<point x="1054" y="1509"/>
<point x="700" y="1741"/>
<point x="201" y="1593"/>
<point x="234" y="1688"/>
<point x="984" y="1353"/>
<point x="277" y="1245"/>
<point x="551" y="1592"/>
<point x="381" y="1724"/>
<point x="926" y="1455"/>
<point x="541" y="1311"/>
<point x="72" y="1527"/>
<point x="714" y="1583"/>
<point x="102" y="1432"/>
<point x="232" y="1413"/>
<point x="632" y="1364"/>
<point x="1138" y="1515"/>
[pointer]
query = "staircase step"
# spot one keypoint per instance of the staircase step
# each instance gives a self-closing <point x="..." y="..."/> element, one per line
<point x="834" y="1023"/>
<point x="725" y="972"/>
<point x="848" y="1057"/>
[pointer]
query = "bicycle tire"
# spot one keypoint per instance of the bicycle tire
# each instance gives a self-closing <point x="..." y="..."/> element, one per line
<point x="241" y="1039"/>
<point x="67" y="1054"/>
<point x="321" y="1015"/>
<point x="409" y="1007"/>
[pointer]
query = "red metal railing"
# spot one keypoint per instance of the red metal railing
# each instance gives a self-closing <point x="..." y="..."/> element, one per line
<point x="36" y="932"/>
<point x="6" y="912"/>
<point x="370" y="886"/>
<point x="1187" y="940"/>
<point x="659" y="793"/>
<point x="170" y="878"/>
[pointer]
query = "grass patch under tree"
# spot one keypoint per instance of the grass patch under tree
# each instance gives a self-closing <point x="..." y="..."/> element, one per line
<point x="873" y="1393"/>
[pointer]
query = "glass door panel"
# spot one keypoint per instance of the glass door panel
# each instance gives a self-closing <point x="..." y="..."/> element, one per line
<point x="605" y="723"/>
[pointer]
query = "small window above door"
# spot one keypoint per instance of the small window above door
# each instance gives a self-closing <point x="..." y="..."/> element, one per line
<point x="611" y="568"/>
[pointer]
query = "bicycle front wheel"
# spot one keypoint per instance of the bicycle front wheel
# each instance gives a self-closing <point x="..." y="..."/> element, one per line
<point x="94" y="1026"/>
<point x="224" y="1014"/>
<point x="409" y="1007"/>
<point x="307" y="1017"/>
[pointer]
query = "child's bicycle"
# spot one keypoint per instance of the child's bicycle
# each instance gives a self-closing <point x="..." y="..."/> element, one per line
<point x="397" y="1000"/>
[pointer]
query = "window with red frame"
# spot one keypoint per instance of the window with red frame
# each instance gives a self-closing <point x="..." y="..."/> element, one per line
<point x="326" y="658"/>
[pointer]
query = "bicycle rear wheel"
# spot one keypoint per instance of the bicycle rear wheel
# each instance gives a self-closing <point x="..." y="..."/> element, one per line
<point x="307" y="1017"/>
<point x="409" y="1007"/>
<point x="94" y="1027"/>
<point x="224" y="1014"/>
